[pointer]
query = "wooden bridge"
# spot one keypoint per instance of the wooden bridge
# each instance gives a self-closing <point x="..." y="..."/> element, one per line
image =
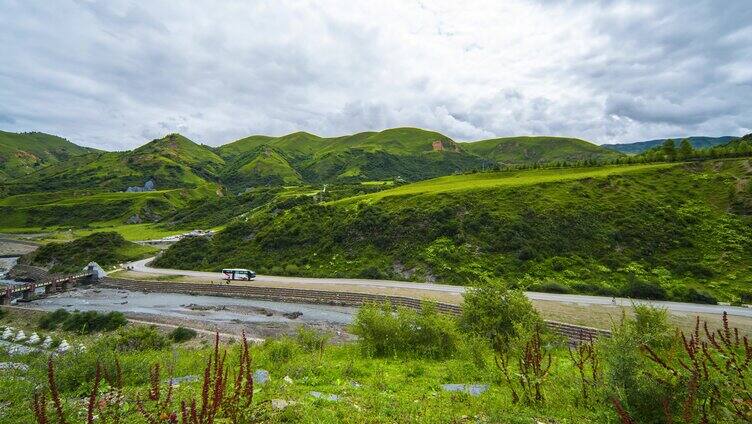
<point x="50" y="285"/>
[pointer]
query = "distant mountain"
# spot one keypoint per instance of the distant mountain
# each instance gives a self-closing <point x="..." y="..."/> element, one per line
<point x="298" y="158"/>
<point x="525" y="150"/>
<point x="170" y="162"/>
<point x="23" y="153"/>
<point x="641" y="146"/>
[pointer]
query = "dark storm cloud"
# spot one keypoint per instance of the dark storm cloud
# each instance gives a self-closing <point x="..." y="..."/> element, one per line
<point x="115" y="74"/>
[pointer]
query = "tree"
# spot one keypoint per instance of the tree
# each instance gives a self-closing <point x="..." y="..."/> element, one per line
<point x="669" y="149"/>
<point x="498" y="313"/>
<point x="685" y="149"/>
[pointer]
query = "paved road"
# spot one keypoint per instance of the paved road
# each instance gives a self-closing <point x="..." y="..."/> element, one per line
<point x="141" y="266"/>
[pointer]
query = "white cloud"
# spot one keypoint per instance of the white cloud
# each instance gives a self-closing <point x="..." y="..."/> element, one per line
<point x="114" y="74"/>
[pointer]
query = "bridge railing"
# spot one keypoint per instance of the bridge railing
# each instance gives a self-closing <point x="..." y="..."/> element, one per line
<point x="31" y="286"/>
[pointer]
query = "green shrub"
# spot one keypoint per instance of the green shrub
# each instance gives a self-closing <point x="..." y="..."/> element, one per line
<point x="139" y="338"/>
<point x="51" y="320"/>
<point x="424" y="333"/>
<point x="497" y="313"/>
<point x="628" y="373"/>
<point x="182" y="334"/>
<point x="551" y="287"/>
<point x="281" y="350"/>
<point x="696" y="296"/>
<point x="477" y="350"/>
<point x="82" y="322"/>
<point x="292" y="269"/>
<point x="311" y="340"/>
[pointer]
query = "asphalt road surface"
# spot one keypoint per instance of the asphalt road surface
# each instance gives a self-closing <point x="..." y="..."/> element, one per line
<point x="141" y="266"/>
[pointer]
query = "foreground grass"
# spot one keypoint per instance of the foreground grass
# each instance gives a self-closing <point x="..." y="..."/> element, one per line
<point x="370" y="390"/>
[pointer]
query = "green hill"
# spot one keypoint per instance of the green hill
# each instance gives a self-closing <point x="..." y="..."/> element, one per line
<point x="409" y="153"/>
<point x="263" y="165"/>
<point x="170" y="162"/>
<point x="530" y="150"/>
<point x="107" y="249"/>
<point x="675" y="231"/>
<point x="83" y="208"/>
<point x="299" y="158"/>
<point x="24" y="153"/>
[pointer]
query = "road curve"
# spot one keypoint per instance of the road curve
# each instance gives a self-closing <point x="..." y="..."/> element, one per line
<point x="142" y="266"/>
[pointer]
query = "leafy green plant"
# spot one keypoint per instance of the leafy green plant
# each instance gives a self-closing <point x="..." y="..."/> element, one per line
<point x="82" y="322"/>
<point x="182" y="334"/>
<point x="628" y="372"/>
<point x="281" y="350"/>
<point x="139" y="338"/>
<point x="497" y="313"/>
<point x="311" y="340"/>
<point x="406" y="332"/>
<point x="52" y="320"/>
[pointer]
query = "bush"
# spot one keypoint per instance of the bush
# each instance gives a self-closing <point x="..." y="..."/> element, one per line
<point x="551" y="287"/>
<point x="281" y="350"/>
<point x="292" y="269"/>
<point x="627" y="371"/>
<point x="697" y="296"/>
<point x="497" y="313"/>
<point x="182" y="334"/>
<point x="424" y="333"/>
<point x="311" y="340"/>
<point x="82" y="322"/>
<point x="51" y="320"/>
<point x="139" y="338"/>
<point x="639" y="289"/>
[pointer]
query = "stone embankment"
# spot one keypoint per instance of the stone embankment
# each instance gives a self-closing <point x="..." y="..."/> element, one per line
<point x="574" y="333"/>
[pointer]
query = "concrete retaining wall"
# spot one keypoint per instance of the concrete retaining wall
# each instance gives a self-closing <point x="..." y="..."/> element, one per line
<point x="574" y="333"/>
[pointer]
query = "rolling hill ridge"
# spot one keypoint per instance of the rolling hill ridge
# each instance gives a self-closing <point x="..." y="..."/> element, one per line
<point x="642" y="146"/>
<point x="23" y="153"/>
<point x="170" y="162"/>
<point x="409" y="154"/>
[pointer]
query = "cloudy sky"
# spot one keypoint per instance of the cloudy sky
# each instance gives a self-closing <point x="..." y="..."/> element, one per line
<point x="114" y="74"/>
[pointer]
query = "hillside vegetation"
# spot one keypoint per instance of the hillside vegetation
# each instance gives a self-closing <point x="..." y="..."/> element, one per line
<point x="407" y="153"/>
<point x="174" y="161"/>
<point x="642" y="146"/>
<point x="170" y="162"/>
<point x="24" y="153"/>
<point x="668" y="231"/>
<point x="84" y="208"/>
<point x="107" y="249"/>
<point x="526" y="150"/>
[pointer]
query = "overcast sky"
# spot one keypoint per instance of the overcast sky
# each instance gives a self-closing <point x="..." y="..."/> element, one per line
<point x="115" y="74"/>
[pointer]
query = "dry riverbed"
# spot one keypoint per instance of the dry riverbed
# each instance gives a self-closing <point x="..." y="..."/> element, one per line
<point x="230" y="316"/>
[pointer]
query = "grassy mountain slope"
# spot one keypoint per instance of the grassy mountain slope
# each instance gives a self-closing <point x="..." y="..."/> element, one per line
<point x="107" y="249"/>
<point x="263" y="165"/>
<point x="526" y="150"/>
<point x="399" y="152"/>
<point x="171" y="162"/>
<point x="660" y="231"/>
<point x="23" y="153"/>
<point x="82" y="208"/>
<point x="642" y="146"/>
